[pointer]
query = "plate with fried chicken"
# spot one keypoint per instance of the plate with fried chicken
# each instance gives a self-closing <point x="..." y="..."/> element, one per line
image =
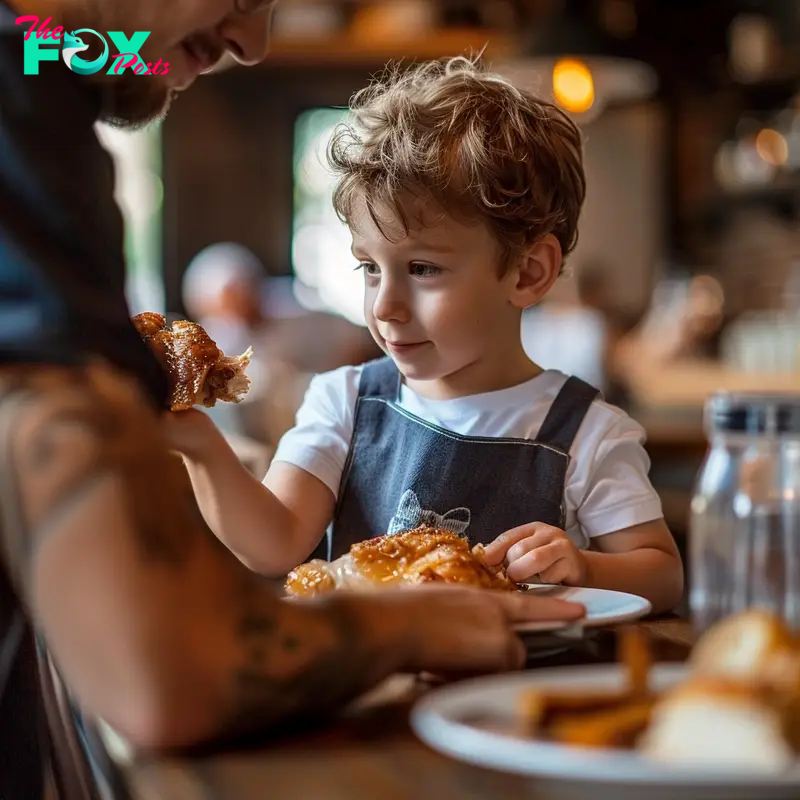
<point x="409" y="558"/>
<point x="725" y="724"/>
<point x="427" y="555"/>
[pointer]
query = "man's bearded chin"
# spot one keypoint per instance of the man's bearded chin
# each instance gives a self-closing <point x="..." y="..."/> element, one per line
<point x="133" y="101"/>
<point x="128" y="100"/>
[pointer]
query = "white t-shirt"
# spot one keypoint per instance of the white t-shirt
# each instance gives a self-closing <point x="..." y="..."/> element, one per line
<point x="607" y="487"/>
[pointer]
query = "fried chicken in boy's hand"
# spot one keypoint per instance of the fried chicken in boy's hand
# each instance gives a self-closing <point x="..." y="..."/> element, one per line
<point x="199" y="372"/>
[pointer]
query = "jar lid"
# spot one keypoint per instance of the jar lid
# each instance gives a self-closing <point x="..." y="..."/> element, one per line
<point x="753" y="413"/>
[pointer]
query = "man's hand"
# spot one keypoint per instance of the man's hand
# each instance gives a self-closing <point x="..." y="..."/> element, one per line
<point x="309" y="656"/>
<point x="456" y="630"/>
<point x="538" y="549"/>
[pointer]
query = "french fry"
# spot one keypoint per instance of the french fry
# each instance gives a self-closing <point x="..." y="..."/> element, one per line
<point x="633" y="651"/>
<point x="597" y="718"/>
<point x="542" y="709"/>
<point x="613" y="727"/>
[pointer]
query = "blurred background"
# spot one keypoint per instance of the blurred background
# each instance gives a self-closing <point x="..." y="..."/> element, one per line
<point x="687" y="275"/>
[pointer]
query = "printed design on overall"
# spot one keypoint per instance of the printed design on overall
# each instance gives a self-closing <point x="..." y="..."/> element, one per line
<point x="410" y="514"/>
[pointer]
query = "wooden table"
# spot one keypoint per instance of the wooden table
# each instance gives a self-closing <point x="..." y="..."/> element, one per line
<point x="370" y="753"/>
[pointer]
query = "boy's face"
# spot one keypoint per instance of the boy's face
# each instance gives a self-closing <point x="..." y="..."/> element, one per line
<point x="434" y="300"/>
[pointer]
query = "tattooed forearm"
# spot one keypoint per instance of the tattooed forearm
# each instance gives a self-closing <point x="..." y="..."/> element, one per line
<point x="61" y="432"/>
<point x="297" y="660"/>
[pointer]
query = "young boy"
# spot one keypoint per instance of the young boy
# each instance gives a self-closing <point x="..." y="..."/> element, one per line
<point x="462" y="194"/>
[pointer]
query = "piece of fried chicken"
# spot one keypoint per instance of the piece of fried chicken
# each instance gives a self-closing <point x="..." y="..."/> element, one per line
<point x="422" y="555"/>
<point x="199" y="372"/>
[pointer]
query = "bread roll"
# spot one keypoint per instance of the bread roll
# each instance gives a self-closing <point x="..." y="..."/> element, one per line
<point x="712" y="724"/>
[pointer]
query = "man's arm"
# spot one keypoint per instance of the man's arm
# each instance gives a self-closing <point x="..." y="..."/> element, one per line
<point x="154" y="625"/>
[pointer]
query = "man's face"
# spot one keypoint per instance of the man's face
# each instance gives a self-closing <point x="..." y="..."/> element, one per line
<point x="190" y="35"/>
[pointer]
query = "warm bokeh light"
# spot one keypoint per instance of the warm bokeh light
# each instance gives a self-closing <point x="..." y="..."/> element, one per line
<point x="772" y="147"/>
<point x="573" y="85"/>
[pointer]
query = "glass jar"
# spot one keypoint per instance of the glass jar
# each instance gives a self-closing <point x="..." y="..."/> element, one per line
<point x="744" y="533"/>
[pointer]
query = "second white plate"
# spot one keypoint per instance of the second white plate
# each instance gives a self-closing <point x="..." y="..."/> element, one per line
<point x="477" y="722"/>
<point x="603" y="607"/>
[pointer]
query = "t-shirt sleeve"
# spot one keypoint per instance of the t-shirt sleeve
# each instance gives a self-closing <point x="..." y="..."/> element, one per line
<point x="610" y="487"/>
<point x="62" y="270"/>
<point x="320" y="440"/>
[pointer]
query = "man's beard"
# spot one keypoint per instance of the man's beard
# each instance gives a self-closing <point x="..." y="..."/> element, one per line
<point x="133" y="101"/>
<point x="128" y="100"/>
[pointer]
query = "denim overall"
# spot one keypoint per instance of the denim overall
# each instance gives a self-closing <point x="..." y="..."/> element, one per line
<point x="402" y="471"/>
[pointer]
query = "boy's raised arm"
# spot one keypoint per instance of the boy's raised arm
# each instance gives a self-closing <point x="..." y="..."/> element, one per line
<point x="271" y="528"/>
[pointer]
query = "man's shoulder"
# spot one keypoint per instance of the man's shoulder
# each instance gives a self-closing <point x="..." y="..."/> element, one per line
<point x="9" y="29"/>
<point x="8" y="18"/>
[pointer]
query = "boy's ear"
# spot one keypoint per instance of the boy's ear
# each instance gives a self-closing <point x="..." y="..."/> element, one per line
<point x="536" y="272"/>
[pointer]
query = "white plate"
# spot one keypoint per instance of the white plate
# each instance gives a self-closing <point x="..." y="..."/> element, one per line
<point x="603" y="607"/>
<point x="448" y="721"/>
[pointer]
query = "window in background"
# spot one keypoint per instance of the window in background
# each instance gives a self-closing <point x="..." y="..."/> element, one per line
<point x="139" y="194"/>
<point x="324" y="268"/>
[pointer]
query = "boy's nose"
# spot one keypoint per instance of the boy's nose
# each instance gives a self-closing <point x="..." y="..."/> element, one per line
<point x="389" y="306"/>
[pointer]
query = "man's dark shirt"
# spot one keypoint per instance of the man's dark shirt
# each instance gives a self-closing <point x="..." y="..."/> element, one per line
<point x="62" y="301"/>
<point x="62" y="273"/>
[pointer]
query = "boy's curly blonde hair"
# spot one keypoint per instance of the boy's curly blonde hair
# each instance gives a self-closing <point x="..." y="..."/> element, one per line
<point x="471" y="142"/>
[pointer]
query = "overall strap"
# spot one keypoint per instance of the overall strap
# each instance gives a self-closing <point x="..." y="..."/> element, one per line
<point x="380" y="378"/>
<point x="566" y="415"/>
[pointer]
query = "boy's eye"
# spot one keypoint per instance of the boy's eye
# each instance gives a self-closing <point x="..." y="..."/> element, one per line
<point x="424" y="270"/>
<point x="369" y="268"/>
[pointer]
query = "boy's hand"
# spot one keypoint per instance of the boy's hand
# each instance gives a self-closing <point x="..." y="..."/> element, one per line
<point x="191" y="433"/>
<point x="538" y="549"/>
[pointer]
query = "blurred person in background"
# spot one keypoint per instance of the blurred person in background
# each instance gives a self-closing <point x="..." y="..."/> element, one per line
<point x="228" y="291"/>
<point x="683" y="319"/>
<point x="223" y="291"/>
<point x="107" y="575"/>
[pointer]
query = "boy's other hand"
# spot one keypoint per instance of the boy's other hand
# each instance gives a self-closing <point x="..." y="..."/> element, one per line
<point x="538" y="549"/>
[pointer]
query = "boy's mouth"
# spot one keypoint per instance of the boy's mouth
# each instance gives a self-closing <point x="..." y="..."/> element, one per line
<point x="404" y="347"/>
